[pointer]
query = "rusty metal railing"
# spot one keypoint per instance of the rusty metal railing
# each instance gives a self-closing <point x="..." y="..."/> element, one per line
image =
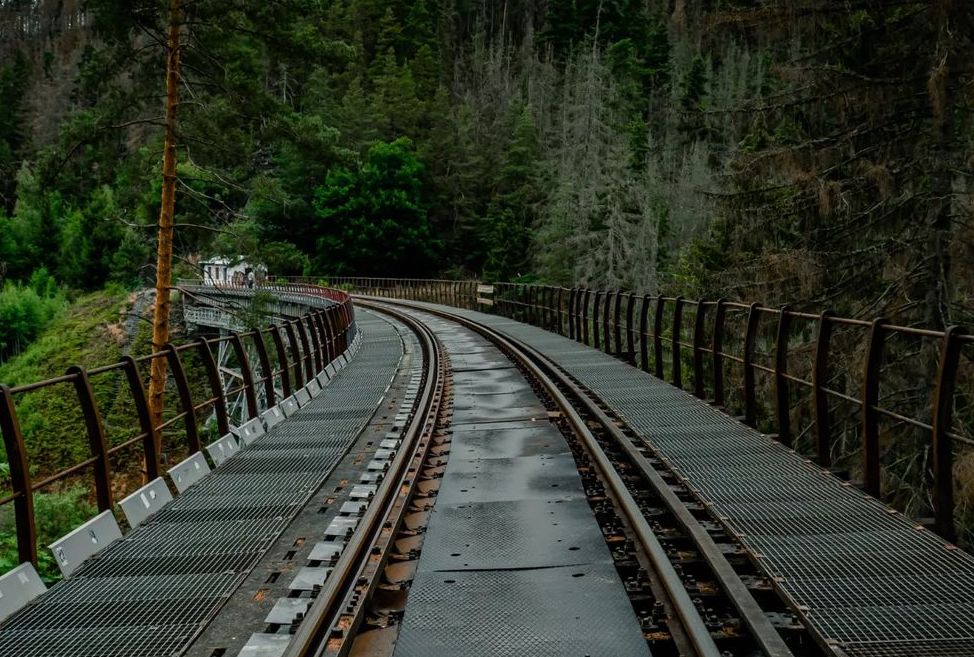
<point x="302" y="346"/>
<point x="777" y="366"/>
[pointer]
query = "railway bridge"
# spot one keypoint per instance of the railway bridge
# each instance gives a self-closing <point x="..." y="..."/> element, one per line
<point x="426" y="467"/>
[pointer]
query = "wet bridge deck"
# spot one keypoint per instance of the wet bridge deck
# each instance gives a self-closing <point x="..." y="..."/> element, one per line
<point x="867" y="580"/>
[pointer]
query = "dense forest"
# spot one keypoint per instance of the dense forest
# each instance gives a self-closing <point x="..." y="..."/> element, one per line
<point x="808" y="151"/>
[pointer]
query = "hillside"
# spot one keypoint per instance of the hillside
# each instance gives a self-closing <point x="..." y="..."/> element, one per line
<point x="90" y="332"/>
<point x="802" y="154"/>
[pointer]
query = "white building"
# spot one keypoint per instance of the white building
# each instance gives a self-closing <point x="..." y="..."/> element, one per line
<point x="231" y="271"/>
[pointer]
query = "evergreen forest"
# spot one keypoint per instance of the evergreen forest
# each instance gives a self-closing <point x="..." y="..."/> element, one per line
<point x="798" y="151"/>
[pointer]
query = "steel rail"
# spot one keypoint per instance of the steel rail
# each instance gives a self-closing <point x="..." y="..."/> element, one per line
<point x="322" y="617"/>
<point x="763" y="632"/>
<point x="682" y="605"/>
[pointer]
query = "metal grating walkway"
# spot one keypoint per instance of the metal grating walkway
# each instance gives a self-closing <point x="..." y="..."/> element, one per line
<point x="865" y="578"/>
<point x="514" y="562"/>
<point x="151" y="593"/>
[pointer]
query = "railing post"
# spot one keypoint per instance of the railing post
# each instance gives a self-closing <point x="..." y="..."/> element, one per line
<point x="246" y="373"/>
<point x="534" y="311"/>
<point x="820" y="399"/>
<point x="596" y="308"/>
<point x="782" y="394"/>
<point x="216" y="388"/>
<point x="606" y="339"/>
<point x="309" y="366"/>
<point x="750" y="337"/>
<point x="553" y="314"/>
<point x="185" y="397"/>
<point x="96" y="436"/>
<point x="584" y="317"/>
<point x="643" y="327"/>
<point x="617" y="329"/>
<point x="942" y="445"/>
<point x="150" y="437"/>
<point x="292" y="339"/>
<point x="13" y="443"/>
<point x="572" y="296"/>
<point x="699" y="389"/>
<point x="676" y="338"/>
<point x="265" y="367"/>
<point x="311" y="319"/>
<point x="281" y="359"/>
<point x="630" y="339"/>
<point x="870" y="399"/>
<point x="324" y="330"/>
<point x="658" y="337"/>
<point x="560" y="315"/>
<point x="717" y="346"/>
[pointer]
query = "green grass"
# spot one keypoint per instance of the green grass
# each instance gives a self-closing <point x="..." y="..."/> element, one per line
<point x="89" y="333"/>
<point x="81" y="335"/>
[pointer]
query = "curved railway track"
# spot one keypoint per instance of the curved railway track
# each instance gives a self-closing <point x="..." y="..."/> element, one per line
<point x="689" y="588"/>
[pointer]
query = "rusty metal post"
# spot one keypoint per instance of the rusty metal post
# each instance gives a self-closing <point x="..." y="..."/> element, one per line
<point x="782" y="393"/>
<point x="265" y="367"/>
<point x="185" y="396"/>
<point x="247" y="373"/>
<point x="309" y="366"/>
<point x="324" y="327"/>
<point x="292" y="338"/>
<point x="314" y="332"/>
<point x="216" y="388"/>
<point x="596" y="311"/>
<point x="750" y="337"/>
<point x="617" y="329"/>
<point x="97" y="440"/>
<point x="572" y="301"/>
<point x="554" y="297"/>
<point x="699" y="389"/>
<point x="676" y="338"/>
<point x="643" y="327"/>
<point x="820" y="399"/>
<point x="13" y="444"/>
<point x="658" y="337"/>
<point x="584" y="316"/>
<point x="534" y="310"/>
<point x="150" y="437"/>
<point x="281" y="359"/>
<point x="942" y="445"/>
<point x="561" y="315"/>
<point x="606" y="333"/>
<point x="717" y="346"/>
<point x="630" y="338"/>
<point x="340" y="324"/>
<point x="870" y="399"/>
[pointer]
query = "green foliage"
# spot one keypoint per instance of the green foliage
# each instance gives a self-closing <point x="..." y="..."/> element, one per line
<point x="374" y="218"/>
<point x="512" y="215"/>
<point x="78" y="335"/>
<point x="14" y="79"/>
<point x="25" y="311"/>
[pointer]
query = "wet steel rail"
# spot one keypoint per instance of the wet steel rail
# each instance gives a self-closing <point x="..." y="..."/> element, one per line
<point x="332" y="620"/>
<point x="338" y="611"/>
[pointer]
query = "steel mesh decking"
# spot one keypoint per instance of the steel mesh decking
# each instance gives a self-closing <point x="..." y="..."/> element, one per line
<point x="151" y="592"/>
<point x="871" y="581"/>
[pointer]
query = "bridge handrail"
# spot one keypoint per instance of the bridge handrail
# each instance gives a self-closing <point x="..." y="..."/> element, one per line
<point x="666" y="336"/>
<point x="303" y="345"/>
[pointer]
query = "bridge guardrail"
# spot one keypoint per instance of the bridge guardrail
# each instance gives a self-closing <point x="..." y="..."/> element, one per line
<point x="301" y="346"/>
<point x="865" y="380"/>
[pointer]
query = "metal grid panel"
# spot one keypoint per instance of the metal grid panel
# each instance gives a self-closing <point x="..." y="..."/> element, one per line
<point x="512" y="517"/>
<point x="149" y="593"/>
<point x="870" y="580"/>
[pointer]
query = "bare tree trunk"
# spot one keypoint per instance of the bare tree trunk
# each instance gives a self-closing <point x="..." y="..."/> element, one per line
<point x="160" y="320"/>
